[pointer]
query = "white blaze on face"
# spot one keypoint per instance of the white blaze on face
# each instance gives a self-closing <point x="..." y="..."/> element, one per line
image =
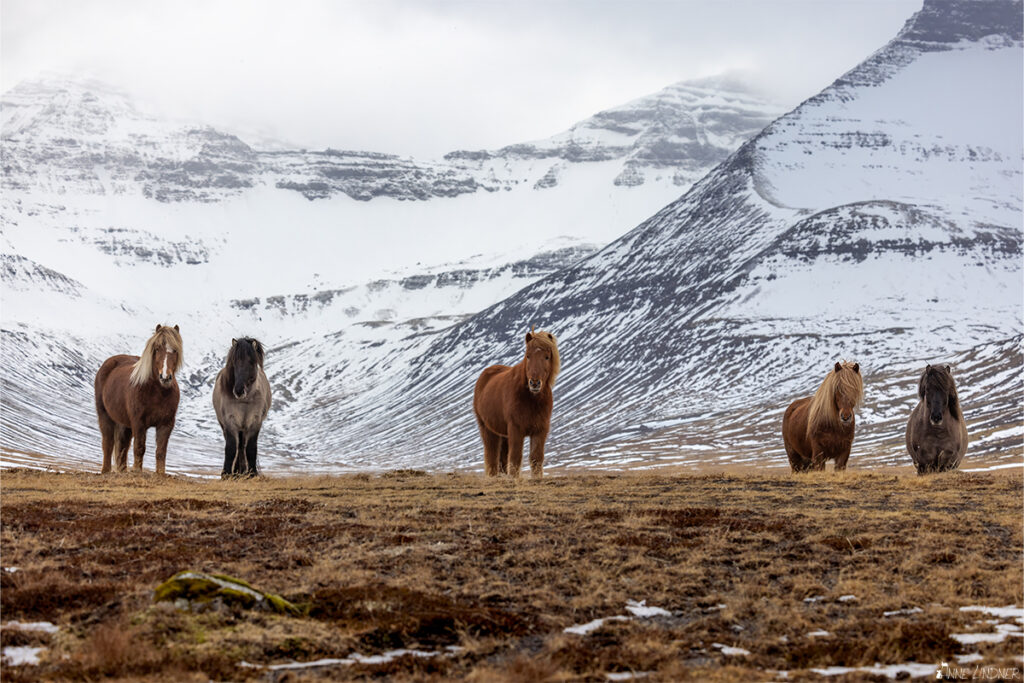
<point x="167" y="350"/>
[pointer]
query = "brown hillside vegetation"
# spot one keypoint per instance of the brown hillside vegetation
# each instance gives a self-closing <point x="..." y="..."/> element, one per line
<point x="484" y="575"/>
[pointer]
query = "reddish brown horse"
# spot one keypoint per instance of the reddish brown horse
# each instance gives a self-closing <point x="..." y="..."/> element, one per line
<point x="134" y="393"/>
<point x="512" y="403"/>
<point x="821" y="428"/>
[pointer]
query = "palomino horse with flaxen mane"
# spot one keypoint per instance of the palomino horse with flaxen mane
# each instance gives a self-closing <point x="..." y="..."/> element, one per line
<point x="512" y="403"/>
<point x="936" y="431"/>
<point x="134" y="393"/>
<point x="821" y="427"/>
<point x="241" y="399"/>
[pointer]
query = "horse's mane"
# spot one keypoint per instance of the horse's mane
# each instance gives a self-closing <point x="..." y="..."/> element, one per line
<point x="940" y="376"/>
<point x="254" y="343"/>
<point x="846" y="381"/>
<point x="164" y="336"/>
<point x="548" y="341"/>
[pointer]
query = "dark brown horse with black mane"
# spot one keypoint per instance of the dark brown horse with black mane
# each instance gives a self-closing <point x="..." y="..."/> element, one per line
<point x="512" y="403"/>
<point x="241" y="400"/>
<point x="821" y="427"/>
<point x="936" y="431"/>
<point x="134" y="393"/>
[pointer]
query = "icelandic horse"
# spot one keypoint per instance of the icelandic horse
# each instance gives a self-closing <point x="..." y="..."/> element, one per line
<point x="821" y="427"/>
<point x="134" y="393"/>
<point x="512" y="403"/>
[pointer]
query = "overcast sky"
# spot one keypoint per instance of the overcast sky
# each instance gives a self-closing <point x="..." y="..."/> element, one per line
<point x="423" y="77"/>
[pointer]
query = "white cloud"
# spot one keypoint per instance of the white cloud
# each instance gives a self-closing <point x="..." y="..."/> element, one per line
<point x="423" y="78"/>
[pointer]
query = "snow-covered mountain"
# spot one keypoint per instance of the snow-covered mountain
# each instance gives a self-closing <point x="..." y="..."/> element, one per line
<point x="881" y="221"/>
<point x="114" y="219"/>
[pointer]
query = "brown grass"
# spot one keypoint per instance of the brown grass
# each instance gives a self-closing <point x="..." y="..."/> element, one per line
<point x="500" y="568"/>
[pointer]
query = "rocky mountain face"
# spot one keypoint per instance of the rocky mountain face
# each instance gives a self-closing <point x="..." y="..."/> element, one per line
<point x="879" y="221"/>
<point x="72" y="136"/>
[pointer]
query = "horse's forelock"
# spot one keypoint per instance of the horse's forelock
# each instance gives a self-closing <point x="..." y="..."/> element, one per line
<point x="546" y="340"/>
<point x="939" y="377"/>
<point x="165" y="336"/>
<point x="254" y="344"/>
<point x="845" y="381"/>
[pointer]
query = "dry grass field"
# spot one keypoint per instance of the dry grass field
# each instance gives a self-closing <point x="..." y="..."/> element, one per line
<point x="753" y="575"/>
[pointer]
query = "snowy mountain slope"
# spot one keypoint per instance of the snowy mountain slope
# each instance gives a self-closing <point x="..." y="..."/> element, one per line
<point x="880" y="220"/>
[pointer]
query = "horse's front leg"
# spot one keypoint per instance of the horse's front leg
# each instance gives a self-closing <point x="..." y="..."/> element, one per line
<point x="841" y="459"/>
<point x="230" y="449"/>
<point x="817" y="459"/>
<point x="250" y="453"/>
<point x="163" y="435"/>
<point x="139" y="443"/>
<point x="515" y="452"/>
<point x="537" y="454"/>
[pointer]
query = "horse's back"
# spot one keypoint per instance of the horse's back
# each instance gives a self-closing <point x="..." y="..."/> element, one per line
<point x="486" y="379"/>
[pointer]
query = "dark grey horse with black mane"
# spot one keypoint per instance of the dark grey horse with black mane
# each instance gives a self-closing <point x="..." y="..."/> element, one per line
<point x="936" y="432"/>
<point x="241" y="399"/>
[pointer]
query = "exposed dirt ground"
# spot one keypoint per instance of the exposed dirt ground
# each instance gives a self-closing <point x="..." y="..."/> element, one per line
<point x="486" y="575"/>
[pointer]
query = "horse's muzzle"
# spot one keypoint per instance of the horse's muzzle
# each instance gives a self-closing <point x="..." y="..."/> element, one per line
<point x="535" y="385"/>
<point x="936" y="420"/>
<point x="166" y="380"/>
<point x="846" y="419"/>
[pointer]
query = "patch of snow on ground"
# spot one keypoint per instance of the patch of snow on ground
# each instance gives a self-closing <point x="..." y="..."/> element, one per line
<point x="728" y="650"/>
<point x="354" y="658"/>
<point x="44" y="626"/>
<point x="584" y="629"/>
<point x="640" y="609"/>
<point x="894" y="671"/>
<point x="21" y="655"/>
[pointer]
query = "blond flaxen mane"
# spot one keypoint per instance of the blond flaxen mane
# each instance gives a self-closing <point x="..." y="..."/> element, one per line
<point x="165" y="336"/>
<point x="547" y="341"/>
<point x="845" y="381"/>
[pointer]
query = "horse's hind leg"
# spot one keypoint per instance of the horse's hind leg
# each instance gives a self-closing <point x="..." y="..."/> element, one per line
<point x="107" y="435"/>
<point x="122" y="440"/>
<point x="139" y="444"/>
<point x="503" y="454"/>
<point x="492" y="444"/>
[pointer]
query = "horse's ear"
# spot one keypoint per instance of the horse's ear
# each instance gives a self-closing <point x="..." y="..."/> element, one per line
<point x="234" y="342"/>
<point x="856" y="368"/>
<point x="158" y="326"/>
<point x="176" y="329"/>
<point x="529" y="337"/>
<point x="838" y="366"/>
<point x="949" y="370"/>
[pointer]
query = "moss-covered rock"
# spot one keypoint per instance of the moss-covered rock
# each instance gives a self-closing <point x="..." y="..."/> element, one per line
<point x="197" y="590"/>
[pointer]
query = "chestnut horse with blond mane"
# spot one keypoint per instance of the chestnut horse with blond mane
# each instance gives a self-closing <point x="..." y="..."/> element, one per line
<point x="821" y="428"/>
<point x="134" y="393"/>
<point x="512" y="403"/>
